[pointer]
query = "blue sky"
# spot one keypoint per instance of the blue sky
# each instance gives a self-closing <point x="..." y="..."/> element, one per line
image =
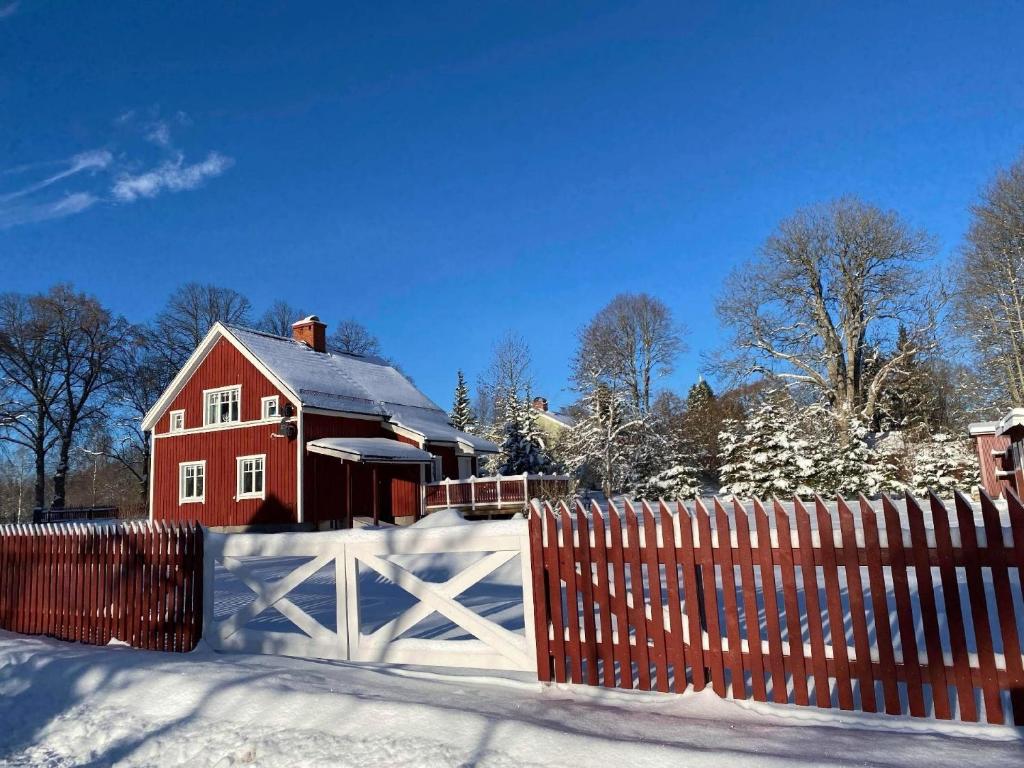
<point x="443" y="172"/>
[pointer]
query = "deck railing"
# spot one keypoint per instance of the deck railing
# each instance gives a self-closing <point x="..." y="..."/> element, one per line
<point x="497" y="492"/>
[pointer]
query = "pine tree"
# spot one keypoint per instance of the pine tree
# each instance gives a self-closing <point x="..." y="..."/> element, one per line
<point x="462" y="416"/>
<point x="734" y="473"/>
<point x="702" y="423"/>
<point x="522" y="449"/>
<point x="856" y="467"/>
<point x="771" y="459"/>
<point x="944" y="465"/>
<point x="908" y="402"/>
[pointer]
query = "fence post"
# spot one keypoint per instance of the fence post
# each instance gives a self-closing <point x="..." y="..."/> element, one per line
<point x="526" y="488"/>
<point x="497" y="482"/>
<point x="447" y="493"/>
<point x="472" y="492"/>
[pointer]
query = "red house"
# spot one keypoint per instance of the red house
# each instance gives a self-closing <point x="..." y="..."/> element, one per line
<point x="258" y="429"/>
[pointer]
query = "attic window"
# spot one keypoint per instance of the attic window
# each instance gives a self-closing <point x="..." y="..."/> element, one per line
<point x="177" y="421"/>
<point x="222" y="405"/>
<point x="269" y="406"/>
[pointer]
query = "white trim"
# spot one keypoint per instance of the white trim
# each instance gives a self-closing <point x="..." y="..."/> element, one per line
<point x="217" y="391"/>
<point x="217" y="428"/>
<point x="300" y="465"/>
<point x="181" y="482"/>
<point x="152" y="464"/>
<point x="1014" y="418"/>
<point x="262" y="492"/>
<point x="218" y="331"/>
<point x="170" y="421"/>
<point x="277" y="407"/>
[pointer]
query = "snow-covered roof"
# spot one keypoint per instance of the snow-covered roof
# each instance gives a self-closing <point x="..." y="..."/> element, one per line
<point x="354" y="384"/>
<point x="1014" y="418"/>
<point x="369" y="449"/>
<point x="433" y="425"/>
<point x="976" y="428"/>
<point x="329" y="380"/>
<point x="563" y="419"/>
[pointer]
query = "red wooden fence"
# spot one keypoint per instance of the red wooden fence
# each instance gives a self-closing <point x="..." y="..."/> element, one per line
<point x="140" y="583"/>
<point x="863" y="606"/>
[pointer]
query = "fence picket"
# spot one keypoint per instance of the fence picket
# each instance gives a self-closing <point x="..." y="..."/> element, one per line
<point x="836" y="620"/>
<point x="794" y="630"/>
<point x="861" y="665"/>
<point x="1004" y="600"/>
<point x="602" y="597"/>
<point x="653" y="581"/>
<point x="880" y="609"/>
<point x="676" y="649"/>
<point x="723" y="558"/>
<point x="639" y="651"/>
<point x="586" y="590"/>
<point x="692" y="600"/>
<point x="954" y="611"/>
<point x="620" y="608"/>
<point x="713" y="656"/>
<point x="769" y="588"/>
<point x="552" y="554"/>
<point x="812" y="603"/>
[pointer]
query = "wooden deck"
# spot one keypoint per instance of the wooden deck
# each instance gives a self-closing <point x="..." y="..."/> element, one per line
<point x="501" y="492"/>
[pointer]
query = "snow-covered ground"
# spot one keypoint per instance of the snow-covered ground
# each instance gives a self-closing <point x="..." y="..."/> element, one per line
<point x="63" y="704"/>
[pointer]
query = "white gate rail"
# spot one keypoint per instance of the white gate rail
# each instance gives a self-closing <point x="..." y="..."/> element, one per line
<point x="492" y="647"/>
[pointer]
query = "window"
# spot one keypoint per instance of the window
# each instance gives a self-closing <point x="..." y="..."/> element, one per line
<point x="222" y="405"/>
<point x="177" y="421"/>
<point x="191" y="482"/>
<point x="269" y="407"/>
<point x="250" y="477"/>
<point x="465" y="467"/>
<point x="437" y="469"/>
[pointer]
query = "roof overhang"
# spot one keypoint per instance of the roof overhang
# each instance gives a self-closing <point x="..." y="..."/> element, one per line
<point x="369" y="450"/>
<point x="979" y="428"/>
<point x="1011" y="422"/>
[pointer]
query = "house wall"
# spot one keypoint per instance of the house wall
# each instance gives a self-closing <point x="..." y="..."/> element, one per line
<point x="220" y="448"/>
<point x="989" y="464"/>
<point x="224" y="366"/>
<point x="324" y="477"/>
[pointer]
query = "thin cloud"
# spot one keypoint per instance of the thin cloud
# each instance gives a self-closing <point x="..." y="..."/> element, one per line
<point x="92" y="160"/>
<point x="6" y="11"/>
<point x="68" y="205"/>
<point x="160" y="134"/>
<point x="173" y="176"/>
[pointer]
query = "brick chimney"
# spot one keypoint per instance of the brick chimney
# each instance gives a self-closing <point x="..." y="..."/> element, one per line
<point x="540" y="404"/>
<point x="311" y="332"/>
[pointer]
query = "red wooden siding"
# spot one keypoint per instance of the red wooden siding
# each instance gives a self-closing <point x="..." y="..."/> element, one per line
<point x="220" y="449"/>
<point x="224" y="366"/>
<point x="989" y="464"/>
<point x="700" y="622"/>
<point x="139" y="583"/>
<point x="449" y="461"/>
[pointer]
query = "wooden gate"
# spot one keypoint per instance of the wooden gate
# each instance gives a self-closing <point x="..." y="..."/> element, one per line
<point x="273" y="566"/>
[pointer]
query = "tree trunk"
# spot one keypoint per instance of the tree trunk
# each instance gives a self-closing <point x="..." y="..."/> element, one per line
<point x="40" y="451"/>
<point x="60" y="476"/>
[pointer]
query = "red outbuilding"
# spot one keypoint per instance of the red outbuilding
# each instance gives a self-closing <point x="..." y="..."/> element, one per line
<point x="258" y="429"/>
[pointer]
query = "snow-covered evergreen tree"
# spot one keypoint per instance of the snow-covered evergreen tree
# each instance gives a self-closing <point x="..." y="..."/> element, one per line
<point x="733" y="470"/>
<point x="462" y="416"/>
<point x="771" y="458"/>
<point x="855" y="468"/>
<point x="944" y="465"/>
<point x="522" y="446"/>
<point x="676" y="476"/>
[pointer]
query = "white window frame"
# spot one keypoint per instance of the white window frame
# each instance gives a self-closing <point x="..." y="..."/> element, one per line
<point x="239" y="463"/>
<point x="174" y="415"/>
<point x="217" y="391"/>
<point x="266" y="401"/>
<point x="182" y="499"/>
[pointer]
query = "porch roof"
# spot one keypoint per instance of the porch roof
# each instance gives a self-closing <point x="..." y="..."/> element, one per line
<point x="371" y="450"/>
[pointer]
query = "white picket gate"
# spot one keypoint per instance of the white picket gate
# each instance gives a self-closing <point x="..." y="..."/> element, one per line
<point x="492" y="646"/>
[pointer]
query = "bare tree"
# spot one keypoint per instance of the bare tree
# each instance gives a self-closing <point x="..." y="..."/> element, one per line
<point x="353" y="338"/>
<point x="826" y="295"/>
<point x="87" y="339"/>
<point x="30" y="381"/>
<point x="508" y="375"/>
<point x="631" y="340"/>
<point x="190" y="313"/>
<point x="990" y="286"/>
<point x="279" y="317"/>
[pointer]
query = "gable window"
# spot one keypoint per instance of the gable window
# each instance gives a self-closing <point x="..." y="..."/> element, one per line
<point x="223" y="405"/>
<point x="191" y="482"/>
<point x="269" y="407"/>
<point x="250" y="477"/>
<point x="177" y="421"/>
